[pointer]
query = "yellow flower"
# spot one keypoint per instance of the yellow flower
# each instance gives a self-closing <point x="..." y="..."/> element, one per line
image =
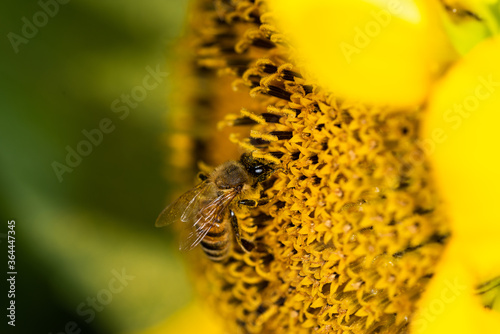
<point x="357" y="238"/>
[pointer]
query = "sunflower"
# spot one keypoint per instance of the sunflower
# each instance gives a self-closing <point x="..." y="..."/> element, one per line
<point x="382" y="215"/>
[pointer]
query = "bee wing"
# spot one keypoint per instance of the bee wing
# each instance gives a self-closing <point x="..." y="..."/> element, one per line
<point x="211" y="213"/>
<point x="208" y="192"/>
<point x="185" y="207"/>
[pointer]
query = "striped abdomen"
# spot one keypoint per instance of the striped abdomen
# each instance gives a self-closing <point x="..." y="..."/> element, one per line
<point x="217" y="241"/>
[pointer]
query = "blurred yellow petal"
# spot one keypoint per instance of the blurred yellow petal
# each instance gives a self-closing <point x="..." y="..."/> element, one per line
<point x="193" y="319"/>
<point x="464" y="109"/>
<point x="375" y="51"/>
<point x="451" y="304"/>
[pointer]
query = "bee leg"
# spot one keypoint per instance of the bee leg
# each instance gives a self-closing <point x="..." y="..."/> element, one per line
<point x="253" y="203"/>
<point x="246" y="245"/>
<point x="202" y="176"/>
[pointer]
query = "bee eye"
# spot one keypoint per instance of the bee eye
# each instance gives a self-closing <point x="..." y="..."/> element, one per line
<point x="257" y="170"/>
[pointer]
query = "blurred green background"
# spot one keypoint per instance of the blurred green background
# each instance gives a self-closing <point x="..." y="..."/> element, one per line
<point x="74" y="236"/>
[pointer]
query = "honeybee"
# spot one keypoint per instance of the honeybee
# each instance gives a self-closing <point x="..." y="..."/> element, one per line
<point x="206" y="211"/>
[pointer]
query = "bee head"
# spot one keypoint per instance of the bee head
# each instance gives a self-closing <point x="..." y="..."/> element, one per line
<point x="258" y="169"/>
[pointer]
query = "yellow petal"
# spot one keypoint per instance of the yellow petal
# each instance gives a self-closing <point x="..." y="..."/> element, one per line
<point x="460" y="134"/>
<point x="193" y="319"/>
<point x="382" y="52"/>
<point x="450" y="304"/>
<point x="464" y="110"/>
